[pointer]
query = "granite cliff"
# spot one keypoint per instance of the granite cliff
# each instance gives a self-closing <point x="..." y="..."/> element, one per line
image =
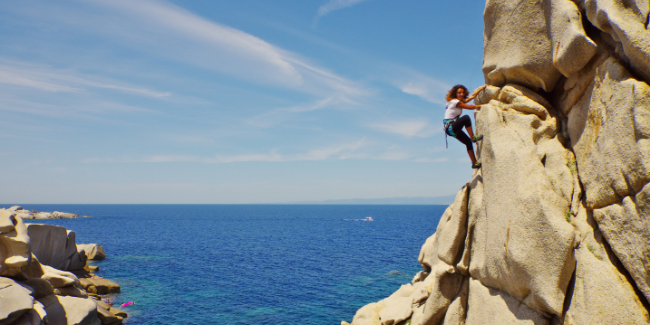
<point x="45" y="278"/>
<point x="555" y="226"/>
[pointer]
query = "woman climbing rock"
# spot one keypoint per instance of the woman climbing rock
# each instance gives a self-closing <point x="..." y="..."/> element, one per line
<point x="457" y="101"/>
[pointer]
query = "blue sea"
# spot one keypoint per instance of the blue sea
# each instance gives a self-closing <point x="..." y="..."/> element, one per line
<point x="252" y="264"/>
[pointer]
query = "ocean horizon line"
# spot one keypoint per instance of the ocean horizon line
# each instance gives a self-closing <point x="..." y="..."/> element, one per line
<point x="440" y="200"/>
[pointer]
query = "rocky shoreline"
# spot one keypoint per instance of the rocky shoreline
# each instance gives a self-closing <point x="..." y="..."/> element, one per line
<point x="45" y="277"/>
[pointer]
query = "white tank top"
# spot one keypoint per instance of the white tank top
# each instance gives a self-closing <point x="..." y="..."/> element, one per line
<point x="452" y="111"/>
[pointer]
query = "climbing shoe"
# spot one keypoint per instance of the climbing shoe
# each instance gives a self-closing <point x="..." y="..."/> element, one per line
<point x="477" y="165"/>
<point x="477" y="138"/>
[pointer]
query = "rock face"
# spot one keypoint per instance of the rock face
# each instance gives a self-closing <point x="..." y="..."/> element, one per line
<point x="99" y="286"/>
<point x="92" y="251"/>
<point x="70" y="310"/>
<point x="555" y="226"/>
<point x="36" y="286"/>
<point x="549" y="41"/>
<point x="55" y="246"/>
<point x="14" y="241"/>
<point x="15" y="300"/>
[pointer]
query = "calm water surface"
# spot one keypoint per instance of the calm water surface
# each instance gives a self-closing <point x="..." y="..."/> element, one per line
<point x="252" y="264"/>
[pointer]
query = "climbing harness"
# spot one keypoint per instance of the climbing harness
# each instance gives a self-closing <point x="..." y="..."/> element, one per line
<point x="448" y="130"/>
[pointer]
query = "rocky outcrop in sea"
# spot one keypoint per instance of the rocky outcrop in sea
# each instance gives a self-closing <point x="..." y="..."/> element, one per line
<point x="45" y="277"/>
<point x="26" y="214"/>
<point x="555" y="226"/>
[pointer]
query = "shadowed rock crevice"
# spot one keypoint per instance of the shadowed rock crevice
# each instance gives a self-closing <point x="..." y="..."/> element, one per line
<point x="624" y="272"/>
<point x="569" y="294"/>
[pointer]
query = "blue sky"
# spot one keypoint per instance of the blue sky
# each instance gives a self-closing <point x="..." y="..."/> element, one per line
<point x="209" y="101"/>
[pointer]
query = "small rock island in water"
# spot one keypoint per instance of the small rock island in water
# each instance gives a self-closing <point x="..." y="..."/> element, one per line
<point x="26" y="214"/>
<point x="45" y="277"/>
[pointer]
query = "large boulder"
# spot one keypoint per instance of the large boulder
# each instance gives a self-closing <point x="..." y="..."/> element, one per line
<point x="15" y="300"/>
<point x="99" y="286"/>
<point x="58" y="278"/>
<point x="398" y="306"/>
<point x="368" y="314"/>
<point x="107" y="317"/>
<point x="14" y="244"/>
<point x="452" y="235"/>
<point x="533" y="43"/>
<point x="62" y="310"/>
<point x="627" y="24"/>
<point x="55" y="246"/>
<point x="32" y="317"/>
<point x="40" y="287"/>
<point x="92" y="251"/>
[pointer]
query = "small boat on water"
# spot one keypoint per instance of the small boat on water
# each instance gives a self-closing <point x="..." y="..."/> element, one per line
<point x="368" y="219"/>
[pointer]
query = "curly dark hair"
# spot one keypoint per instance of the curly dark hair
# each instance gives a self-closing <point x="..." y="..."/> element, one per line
<point x="452" y="93"/>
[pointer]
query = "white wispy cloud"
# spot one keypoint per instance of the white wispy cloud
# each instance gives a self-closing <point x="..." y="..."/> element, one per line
<point x="352" y="150"/>
<point x="390" y="155"/>
<point x="407" y="128"/>
<point x="330" y="152"/>
<point x="427" y="88"/>
<point x="162" y="20"/>
<point x="55" y="80"/>
<point x="143" y="159"/>
<point x="140" y="91"/>
<point x="435" y="160"/>
<point x="176" y="33"/>
<point x="333" y="5"/>
<point x="319" y="104"/>
<point x="20" y="79"/>
<point x="347" y="151"/>
<point x="79" y="107"/>
<point x="279" y="115"/>
<point x="186" y="138"/>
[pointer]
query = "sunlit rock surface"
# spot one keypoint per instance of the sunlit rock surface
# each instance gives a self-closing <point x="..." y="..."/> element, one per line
<point x="555" y="226"/>
<point x="36" y="285"/>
